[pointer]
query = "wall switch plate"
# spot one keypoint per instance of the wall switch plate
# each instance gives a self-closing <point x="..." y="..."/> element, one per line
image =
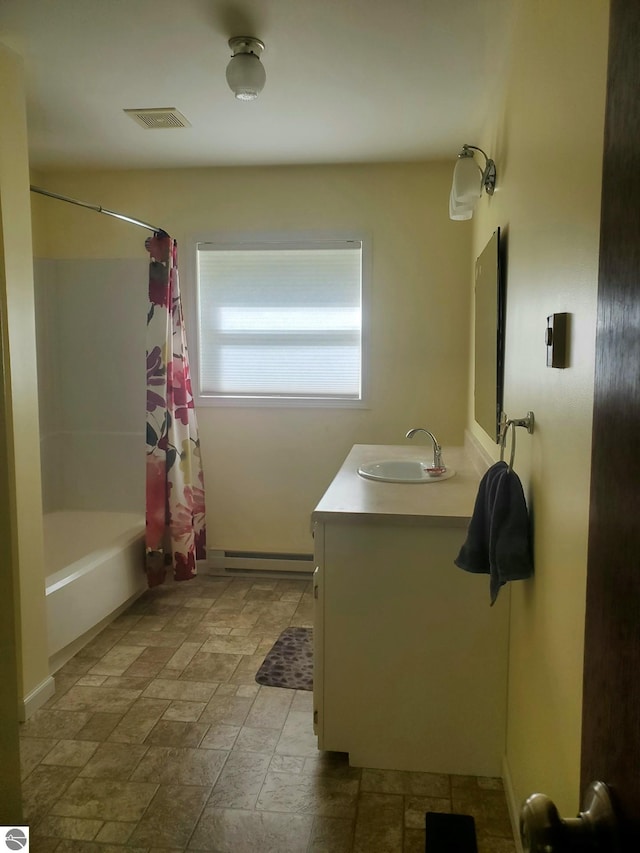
<point x="556" y="340"/>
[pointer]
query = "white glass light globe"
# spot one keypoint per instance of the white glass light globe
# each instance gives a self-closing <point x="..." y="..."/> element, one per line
<point x="246" y="76"/>
<point x="467" y="181"/>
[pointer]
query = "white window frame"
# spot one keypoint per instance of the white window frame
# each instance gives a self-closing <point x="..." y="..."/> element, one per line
<point x="302" y="239"/>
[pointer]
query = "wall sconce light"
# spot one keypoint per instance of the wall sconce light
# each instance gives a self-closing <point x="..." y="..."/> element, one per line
<point x="245" y="73"/>
<point x="468" y="182"/>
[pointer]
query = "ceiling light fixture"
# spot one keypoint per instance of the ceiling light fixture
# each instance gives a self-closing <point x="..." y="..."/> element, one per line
<point x="468" y="182"/>
<point x="245" y="73"/>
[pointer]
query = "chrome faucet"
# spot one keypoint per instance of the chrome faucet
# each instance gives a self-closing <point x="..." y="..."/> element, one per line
<point x="437" y="450"/>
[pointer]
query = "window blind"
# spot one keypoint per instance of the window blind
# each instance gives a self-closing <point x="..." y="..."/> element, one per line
<point x="280" y="320"/>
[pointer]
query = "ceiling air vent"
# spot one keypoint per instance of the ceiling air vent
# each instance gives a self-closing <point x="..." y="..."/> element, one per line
<point x="158" y="118"/>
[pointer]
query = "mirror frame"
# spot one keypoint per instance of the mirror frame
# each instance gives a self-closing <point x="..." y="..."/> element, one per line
<point x="489" y="328"/>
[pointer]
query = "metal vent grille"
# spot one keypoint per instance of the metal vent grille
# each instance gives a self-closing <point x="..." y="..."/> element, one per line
<point x="158" y="118"/>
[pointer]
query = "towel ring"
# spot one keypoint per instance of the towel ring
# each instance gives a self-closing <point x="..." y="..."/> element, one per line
<point x="527" y="422"/>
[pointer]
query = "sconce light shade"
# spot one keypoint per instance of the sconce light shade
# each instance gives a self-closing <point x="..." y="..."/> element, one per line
<point x="245" y="72"/>
<point x="468" y="182"/>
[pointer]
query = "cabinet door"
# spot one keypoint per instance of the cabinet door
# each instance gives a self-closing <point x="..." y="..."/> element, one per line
<point x="318" y="634"/>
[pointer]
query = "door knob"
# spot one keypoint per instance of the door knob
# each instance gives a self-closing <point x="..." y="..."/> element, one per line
<point x="595" y="830"/>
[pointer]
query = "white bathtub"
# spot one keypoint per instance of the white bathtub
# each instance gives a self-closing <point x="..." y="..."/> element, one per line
<point x="94" y="568"/>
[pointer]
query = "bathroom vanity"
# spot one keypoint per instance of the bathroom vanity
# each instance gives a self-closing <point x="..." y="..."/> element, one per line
<point x="410" y="661"/>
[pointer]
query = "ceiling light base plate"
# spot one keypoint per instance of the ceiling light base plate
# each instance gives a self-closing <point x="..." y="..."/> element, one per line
<point x="246" y="44"/>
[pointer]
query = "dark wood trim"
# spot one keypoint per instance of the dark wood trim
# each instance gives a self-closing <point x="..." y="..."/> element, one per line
<point x="611" y="706"/>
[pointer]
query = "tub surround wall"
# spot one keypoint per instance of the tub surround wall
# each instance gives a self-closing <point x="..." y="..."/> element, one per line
<point x="90" y="320"/>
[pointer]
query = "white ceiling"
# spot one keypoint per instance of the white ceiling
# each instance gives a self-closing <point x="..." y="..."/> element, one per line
<point x="347" y="80"/>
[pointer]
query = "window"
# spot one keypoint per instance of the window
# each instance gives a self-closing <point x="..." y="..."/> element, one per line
<point x="280" y="322"/>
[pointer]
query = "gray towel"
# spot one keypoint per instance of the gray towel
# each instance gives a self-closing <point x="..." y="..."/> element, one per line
<point x="499" y="538"/>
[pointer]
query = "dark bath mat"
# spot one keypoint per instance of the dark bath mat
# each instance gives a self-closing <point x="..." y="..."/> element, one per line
<point x="450" y="833"/>
<point x="290" y="661"/>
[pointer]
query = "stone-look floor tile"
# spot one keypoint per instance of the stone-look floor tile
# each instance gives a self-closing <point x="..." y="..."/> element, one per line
<point x="302" y="701"/>
<point x="151" y="623"/>
<point x="496" y="845"/>
<point x="257" y="740"/>
<point x="270" y="708"/>
<point x="331" y="835"/>
<point x="227" y="690"/>
<point x="116" y="661"/>
<point x="297" y="737"/>
<point x="96" y="698"/>
<point x="53" y="723"/>
<point x="210" y="666"/>
<point x="100" y="645"/>
<point x="128" y="682"/>
<point x="488" y="808"/>
<point x="415" y="809"/>
<point x="379" y="823"/>
<point x="414" y="841"/>
<point x="41" y="789"/>
<point x="183" y="656"/>
<point x="178" y="734"/>
<point x="85" y="681"/>
<point x="236" y="831"/>
<point x="287" y="764"/>
<point x="220" y="737"/>
<point x="188" y="712"/>
<point x="303" y="794"/>
<point x="171" y="817"/>
<point x="184" y="620"/>
<point x="334" y="764"/>
<point x="162" y="639"/>
<point x="240" y="782"/>
<point x="32" y="751"/>
<point x="151" y="660"/>
<point x="115" y="832"/>
<point x="105" y="799"/>
<point x="460" y="782"/>
<point x="69" y="827"/>
<point x="71" y="753"/>
<point x="197" y="603"/>
<point x="226" y="710"/>
<point x="113" y="761"/>
<point x="93" y="847"/>
<point x="245" y="673"/>
<point x="166" y="766"/>
<point x="248" y="691"/>
<point x="189" y="691"/>
<point x="490" y="783"/>
<point x="405" y="782"/>
<point x="233" y="645"/>
<point x="99" y="726"/>
<point x="42" y="844"/>
<point x="139" y="721"/>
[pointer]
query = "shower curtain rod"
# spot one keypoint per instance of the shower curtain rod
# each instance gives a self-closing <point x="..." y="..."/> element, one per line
<point x="98" y="209"/>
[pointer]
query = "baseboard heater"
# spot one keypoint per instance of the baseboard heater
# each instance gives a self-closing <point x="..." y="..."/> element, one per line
<point x="242" y="562"/>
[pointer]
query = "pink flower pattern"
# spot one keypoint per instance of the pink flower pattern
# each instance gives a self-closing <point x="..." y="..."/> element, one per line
<point x="176" y="529"/>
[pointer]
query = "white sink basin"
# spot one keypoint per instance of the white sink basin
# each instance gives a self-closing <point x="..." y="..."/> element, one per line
<point x="404" y="471"/>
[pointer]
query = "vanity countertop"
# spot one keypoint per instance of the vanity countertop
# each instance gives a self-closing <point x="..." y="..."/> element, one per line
<point x="351" y="498"/>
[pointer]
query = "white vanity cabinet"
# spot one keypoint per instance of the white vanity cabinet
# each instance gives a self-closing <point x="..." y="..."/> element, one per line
<point x="410" y="666"/>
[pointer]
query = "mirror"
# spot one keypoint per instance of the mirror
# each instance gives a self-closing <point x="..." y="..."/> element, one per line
<point x="489" y="337"/>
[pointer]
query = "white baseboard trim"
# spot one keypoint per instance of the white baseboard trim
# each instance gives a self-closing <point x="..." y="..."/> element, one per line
<point x="512" y="804"/>
<point x="36" y="698"/>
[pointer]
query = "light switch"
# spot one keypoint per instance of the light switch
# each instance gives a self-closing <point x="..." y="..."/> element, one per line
<point x="556" y="340"/>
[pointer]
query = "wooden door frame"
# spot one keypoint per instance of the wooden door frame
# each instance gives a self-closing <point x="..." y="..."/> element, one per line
<point x="611" y="698"/>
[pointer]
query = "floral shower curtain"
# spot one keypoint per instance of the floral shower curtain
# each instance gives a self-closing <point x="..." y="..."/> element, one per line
<point x="175" y="530"/>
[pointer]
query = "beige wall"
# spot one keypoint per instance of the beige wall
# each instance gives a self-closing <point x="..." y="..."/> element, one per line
<point x="266" y="468"/>
<point x="548" y="150"/>
<point x="20" y="520"/>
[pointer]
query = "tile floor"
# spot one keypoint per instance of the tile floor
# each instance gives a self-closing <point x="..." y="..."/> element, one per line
<point x="158" y="738"/>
